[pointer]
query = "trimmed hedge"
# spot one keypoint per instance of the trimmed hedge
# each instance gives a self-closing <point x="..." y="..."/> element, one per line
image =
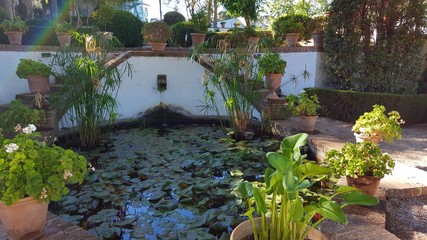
<point x="127" y="28"/>
<point x="349" y="105"/>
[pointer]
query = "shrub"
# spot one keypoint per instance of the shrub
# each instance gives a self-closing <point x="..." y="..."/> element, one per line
<point x="3" y="16"/>
<point x="347" y="105"/>
<point x="127" y="28"/>
<point x="390" y="61"/>
<point x="158" y="32"/>
<point x="173" y="17"/>
<point x="18" y="113"/>
<point x="291" y="23"/>
<point x="179" y="31"/>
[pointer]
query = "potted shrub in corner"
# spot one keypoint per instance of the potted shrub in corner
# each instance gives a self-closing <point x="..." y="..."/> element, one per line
<point x="305" y="107"/>
<point x="280" y="200"/>
<point x="63" y="33"/>
<point x="36" y="73"/>
<point x="273" y="67"/>
<point x="362" y="163"/>
<point x="200" y="24"/>
<point x="317" y="26"/>
<point x="14" y="30"/>
<point x="376" y="125"/>
<point x="252" y="35"/>
<point x="33" y="174"/>
<point x="157" y="34"/>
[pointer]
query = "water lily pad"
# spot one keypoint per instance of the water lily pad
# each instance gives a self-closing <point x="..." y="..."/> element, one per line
<point x="155" y="195"/>
<point x="127" y="223"/>
<point x="167" y="205"/>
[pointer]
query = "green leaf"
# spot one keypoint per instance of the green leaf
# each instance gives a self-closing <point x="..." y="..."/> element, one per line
<point x="279" y="161"/>
<point x="297" y="210"/>
<point x="294" y="142"/>
<point x="312" y="169"/>
<point x="245" y="189"/>
<point x="260" y="202"/>
<point x="359" y="198"/>
<point x="332" y="210"/>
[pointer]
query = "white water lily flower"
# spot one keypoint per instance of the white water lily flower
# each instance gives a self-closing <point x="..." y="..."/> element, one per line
<point x="29" y="129"/>
<point x="11" y="147"/>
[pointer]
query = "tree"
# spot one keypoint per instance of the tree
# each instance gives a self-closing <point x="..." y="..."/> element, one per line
<point x="248" y="9"/>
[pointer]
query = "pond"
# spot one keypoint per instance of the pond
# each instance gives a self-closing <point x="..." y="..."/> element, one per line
<point x="165" y="183"/>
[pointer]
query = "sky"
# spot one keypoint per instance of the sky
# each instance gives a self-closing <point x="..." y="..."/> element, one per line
<point x="153" y="9"/>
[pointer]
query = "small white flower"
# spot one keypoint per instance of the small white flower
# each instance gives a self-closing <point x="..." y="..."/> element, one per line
<point x="29" y="129"/>
<point x="18" y="127"/>
<point x="67" y="174"/>
<point x="43" y="194"/>
<point x="11" y="147"/>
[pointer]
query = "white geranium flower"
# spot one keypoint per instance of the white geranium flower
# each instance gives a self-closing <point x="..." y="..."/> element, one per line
<point x="29" y="129"/>
<point x="11" y="147"/>
<point x="43" y="194"/>
<point x="67" y="174"/>
<point x="18" y="127"/>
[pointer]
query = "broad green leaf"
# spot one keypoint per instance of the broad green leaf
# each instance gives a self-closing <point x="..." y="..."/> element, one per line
<point x="245" y="189"/>
<point x="312" y="169"/>
<point x="279" y="161"/>
<point x="359" y="198"/>
<point x="297" y="210"/>
<point x="260" y="202"/>
<point x="344" y="189"/>
<point x="267" y="176"/>
<point x="332" y="210"/>
<point x="294" y="142"/>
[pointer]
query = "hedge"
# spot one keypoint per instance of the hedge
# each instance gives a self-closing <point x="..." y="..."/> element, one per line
<point x="349" y="105"/>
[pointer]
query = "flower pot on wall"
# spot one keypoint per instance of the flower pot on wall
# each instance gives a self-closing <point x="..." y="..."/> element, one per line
<point x="157" y="47"/>
<point x="292" y="39"/>
<point x="367" y="184"/>
<point x="15" y="38"/>
<point x="24" y="219"/>
<point x="273" y="82"/>
<point x="197" y="38"/>
<point x="253" y="40"/>
<point x="38" y="84"/>
<point x="63" y="38"/>
<point x="317" y="39"/>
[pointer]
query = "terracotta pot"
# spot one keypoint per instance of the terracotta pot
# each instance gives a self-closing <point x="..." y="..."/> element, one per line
<point x="38" y="84"/>
<point x="308" y="123"/>
<point x="253" y="41"/>
<point x="367" y="184"/>
<point x="318" y="39"/>
<point x="105" y="35"/>
<point x="374" y="139"/>
<point x="157" y="47"/>
<point x="24" y="219"/>
<point x="244" y="231"/>
<point x="63" y="38"/>
<point x="197" y="38"/>
<point x="292" y="39"/>
<point x="273" y="82"/>
<point x="15" y="38"/>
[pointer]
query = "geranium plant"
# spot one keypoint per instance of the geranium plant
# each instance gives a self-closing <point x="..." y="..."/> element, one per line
<point x="303" y="104"/>
<point x="64" y="27"/>
<point x="31" y="168"/>
<point x="377" y="123"/>
<point x="271" y="63"/>
<point x="360" y="159"/>
<point x="14" y="26"/>
<point x="29" y="67"/>
<point x="280" y="203"/>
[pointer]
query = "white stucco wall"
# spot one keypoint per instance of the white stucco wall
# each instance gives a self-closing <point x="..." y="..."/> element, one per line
<point x="184" y="86"/>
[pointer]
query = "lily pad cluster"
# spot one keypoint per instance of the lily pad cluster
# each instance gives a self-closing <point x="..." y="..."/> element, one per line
<point x="173" y="184"/>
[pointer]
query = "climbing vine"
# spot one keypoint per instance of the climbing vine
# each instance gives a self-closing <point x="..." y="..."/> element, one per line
<point x="375" y="45"/>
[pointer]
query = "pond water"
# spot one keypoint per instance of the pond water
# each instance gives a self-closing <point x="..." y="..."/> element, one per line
<point x="173" y="183"/>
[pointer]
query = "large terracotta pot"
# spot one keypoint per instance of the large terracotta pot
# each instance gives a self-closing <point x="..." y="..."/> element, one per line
<point x="367" y="184"/>
<point x="308" y="123"/>
<point x="253" y="41"/>
<point x="292" y="39"/>
<point x="24" y="219"/>
<point x="63" y="38"/>
<point x="38" y="84"/>
<point x="15" y="38"/>
<point x="197" y="38"/>
<point x="244" y="231"/>
<point x="317" y="39"/>
<point x="157" y="47"/>
<point x="273" y="82"/>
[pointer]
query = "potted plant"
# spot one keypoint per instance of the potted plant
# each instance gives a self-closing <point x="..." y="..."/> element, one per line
<point x="317" y="26"/>
<point x="157" y="34"/>
<point x="362" y="163"/>
<point x="200" y="24"/>
<point x="32" y="174"/>
<point x="63" y="32"/>
<point x="19" y="113"/>
<point x="36" y="73"/>
<point x="273" y="67"/>
<point x="376" y="125"/>
<point x="251" y="34"/>
<point x="280" y="200"/>
<point x="103" y="16"/>
<point x="14" y="30"/>
<point x="305" y="107"/>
